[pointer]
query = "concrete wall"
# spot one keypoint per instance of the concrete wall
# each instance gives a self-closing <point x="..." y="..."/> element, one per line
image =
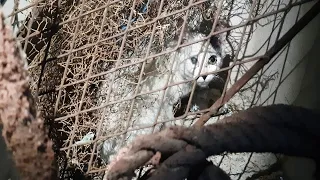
<point x="307" y="96"/>
<point x="297" y="82"/>
<point x="290" y="78"/>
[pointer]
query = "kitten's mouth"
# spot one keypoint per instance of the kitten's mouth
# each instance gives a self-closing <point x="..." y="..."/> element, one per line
<point x="202" y="83"/>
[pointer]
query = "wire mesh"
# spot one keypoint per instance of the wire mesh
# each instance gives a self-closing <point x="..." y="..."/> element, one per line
<point x="97" y="67"/>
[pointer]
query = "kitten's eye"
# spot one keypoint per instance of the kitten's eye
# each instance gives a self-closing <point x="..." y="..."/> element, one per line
<point x="212" y="59"/>
<point x="194" y="60"/>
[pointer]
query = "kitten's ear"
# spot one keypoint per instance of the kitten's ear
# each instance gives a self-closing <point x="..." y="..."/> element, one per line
<point x="215" y="42"/>
<point x="223" y="25"/>
<point x="219" y="39"/>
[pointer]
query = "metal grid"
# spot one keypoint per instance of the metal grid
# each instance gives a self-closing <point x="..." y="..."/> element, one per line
<point x="75" y="49"/>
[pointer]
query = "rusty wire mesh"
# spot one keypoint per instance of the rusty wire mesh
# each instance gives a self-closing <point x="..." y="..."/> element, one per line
<point x="88" y="60"/>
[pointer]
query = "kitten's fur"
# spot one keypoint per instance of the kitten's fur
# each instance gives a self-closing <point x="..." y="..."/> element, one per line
<point x="184" y="64"/>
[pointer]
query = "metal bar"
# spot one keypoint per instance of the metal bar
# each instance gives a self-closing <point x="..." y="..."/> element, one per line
<point x="137" y="27"/>
<point x="170" y="14"/>
<point x="160" y="89"/>
<point x="68" y="61"/>
<point x="25" y="8"/>
<point x="85" y="89"/>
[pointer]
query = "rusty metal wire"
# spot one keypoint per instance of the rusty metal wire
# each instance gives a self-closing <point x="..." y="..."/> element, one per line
<point x="88" y="60"/>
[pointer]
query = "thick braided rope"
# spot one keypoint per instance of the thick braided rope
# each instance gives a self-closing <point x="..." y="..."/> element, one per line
<point x="284" y="129"/>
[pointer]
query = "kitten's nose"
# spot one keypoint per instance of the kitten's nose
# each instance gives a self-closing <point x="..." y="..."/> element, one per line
<point x="204" y="77"/>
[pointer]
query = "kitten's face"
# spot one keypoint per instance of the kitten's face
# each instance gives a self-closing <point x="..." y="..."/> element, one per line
<point x="196" y="60"/>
